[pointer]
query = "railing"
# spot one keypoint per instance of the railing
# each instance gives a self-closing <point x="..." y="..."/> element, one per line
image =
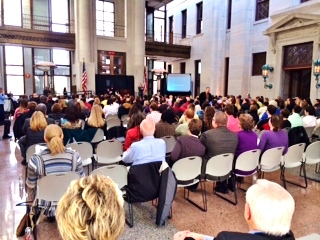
<point x="41" y="23"/>
<point x="170" y="38"/>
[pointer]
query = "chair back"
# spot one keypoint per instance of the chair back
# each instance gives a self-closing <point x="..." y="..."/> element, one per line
<point x="84" y="149"/>
<point x="33" y="149"/>
<point x="118" y="173"/>
<point x="170" y="142"/>
<point x="188" y="168"/>
<point x="248" y="161"/>
<point x="220" y="165"/>
<point x="112" y="122"/>
<point x="111" y="116"/>
<point x="309" y="131"/>
<point x="124" y="120"/>
<point x="109" y="151"/>
<point x="271" y="158"/>
<point x="98" y="137"/>
<point x="312" y="153"/>
<point x="118" y="132"/>
<point x="294" y="155"/>
<point x="52" y="187"/>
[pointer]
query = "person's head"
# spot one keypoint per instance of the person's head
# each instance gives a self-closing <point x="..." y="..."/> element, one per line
<point x="23" y="103"/>
<point x="168" y="116"/>
<point x="297" y="109"/>
<point x="136" y="119"/>
<point x="42" y="108"/>
<point x="220" y="119"/>
<point x="53" y="136"/>
<point x="43" y="99"/>
<point x="269" y="208"/>
<point x="207" y="90"/>
<point x="56" y="108"/>
<point x="229" y="109"/>
<point x="32" y="105"/>
<point x="38" y="121"/>
<point x="95" y="119"/>
<point x="246" y="122"/>
<point x="154" y="106"/>
<point x="275" y="122"/>
<point x="147" y="128"/>
<point x="271" y="110"/>
<point x="96" y="101"/>
<point x="310" y="110"/>
<point x="73" y="114"/>
<point x="92" y="208"/>
<point x="195" y="126"/>
<point x="189" y="113"/>
<point x="285" y="113"/>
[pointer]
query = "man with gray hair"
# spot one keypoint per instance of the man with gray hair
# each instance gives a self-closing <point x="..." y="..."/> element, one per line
<point x="268" y="212"/>
<point x="149" y="149"/>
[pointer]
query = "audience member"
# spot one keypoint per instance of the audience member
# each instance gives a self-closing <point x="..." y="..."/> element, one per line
<point x="232" y="123"/>
<point x="295" y="119"/>
<point x="182" y="129"/>
<point x="56" y="113"/>
<point x="23" y="108"/>
<point x="72" y="119"/>
<point x="205" y="96"/>
<point x="309" y="120"/>
<point x="6" y="123"/>
<point x="155" y="115"/>
<point x="263" y="124"/>
<point x="207" y="118"/>
<point x="285" y="122"/>
<point x="149" y="149"/>
<point x="166" y="126"/>
<point x="133" y="133"/>
<point x="268" y="212"/>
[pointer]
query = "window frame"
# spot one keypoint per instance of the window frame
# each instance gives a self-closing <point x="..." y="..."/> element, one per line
<point x="199" y="17"/>
<point x="259" y="9"/>
<point x="105" y="29"/>
<point x="258" y="60"/>
<point x="184" y="23"/>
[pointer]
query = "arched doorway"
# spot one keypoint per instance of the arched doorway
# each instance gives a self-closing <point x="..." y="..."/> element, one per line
<point x="298" y="83"/>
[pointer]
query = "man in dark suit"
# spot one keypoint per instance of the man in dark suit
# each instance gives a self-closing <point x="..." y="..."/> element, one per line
<point x="206" y="95"/>
<point x="268" y="212"/>
<point x="217" y="141"/>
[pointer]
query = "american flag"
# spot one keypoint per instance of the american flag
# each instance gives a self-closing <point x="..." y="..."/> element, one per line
<point x="84" y="78"/>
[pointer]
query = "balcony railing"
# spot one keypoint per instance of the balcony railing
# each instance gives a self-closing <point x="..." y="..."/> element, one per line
<point x="39" y="23"/>
<point x="169" y="38"/>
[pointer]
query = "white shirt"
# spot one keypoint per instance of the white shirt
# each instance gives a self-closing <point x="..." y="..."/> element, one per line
<point x="309" y="121"/>
<point x="111" y="109"/>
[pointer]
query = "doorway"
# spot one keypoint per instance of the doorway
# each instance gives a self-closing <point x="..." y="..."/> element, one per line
<point x="299" y="83"/>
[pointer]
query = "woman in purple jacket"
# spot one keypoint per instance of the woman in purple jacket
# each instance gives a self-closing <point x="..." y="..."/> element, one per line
<point x="276" y="137"/>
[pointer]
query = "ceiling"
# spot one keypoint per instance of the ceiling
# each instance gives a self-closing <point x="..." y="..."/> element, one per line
<point x="156" y="4"/>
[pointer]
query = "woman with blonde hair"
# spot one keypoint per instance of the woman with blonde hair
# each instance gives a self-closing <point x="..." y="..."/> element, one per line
<point x="95" y="119"/>
<point x="54" y="160"/>
<point x="34" y="133"/>
<point x="92" y="208"/>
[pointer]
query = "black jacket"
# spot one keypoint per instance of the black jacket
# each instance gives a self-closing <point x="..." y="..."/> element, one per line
<point x="249" y="236"/>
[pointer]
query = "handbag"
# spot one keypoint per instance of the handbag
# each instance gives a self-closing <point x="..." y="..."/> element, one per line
<point x="24" y="223"/>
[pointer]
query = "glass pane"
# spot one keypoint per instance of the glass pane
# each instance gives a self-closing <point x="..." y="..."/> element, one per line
<point x="61" y="82"/>
<point x="99" y="33"/>
<point x="60" y="11"/>
<point x="99" y="25"/>
<point x="108" y="6"/>
<point x="99" y="15"/>
<point x="158" y="14"/>
<point x="99" y="5"/>
<point x="109" y="17"/>
<point x="15" y="84"/>
<point x="41" y="8"/>
<point x="62" y="70"/>
<point x="61" y="57"/>
<point x="60" y="28"/>
<point x="41" y="55"/>
<point x="12" y="12"/>
<point x="14" y="70"/>
<point x="13" y="55"/>
<point x="39" y="83"/>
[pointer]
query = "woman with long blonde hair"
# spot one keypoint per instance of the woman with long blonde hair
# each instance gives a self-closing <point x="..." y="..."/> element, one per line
<point x="95" y="119"/>
<point x="55" y="159"/>
<point x="34" y="133"/>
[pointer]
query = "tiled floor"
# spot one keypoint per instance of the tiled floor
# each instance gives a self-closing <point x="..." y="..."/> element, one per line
<point x="220" y="215"/>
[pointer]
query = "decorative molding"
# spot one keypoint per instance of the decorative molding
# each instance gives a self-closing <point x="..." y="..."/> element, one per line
<point x="36" y="38"/>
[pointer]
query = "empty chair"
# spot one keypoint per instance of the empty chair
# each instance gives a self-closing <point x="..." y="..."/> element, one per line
<point x="170" y="142"/>
<point x="247" y="164"/>
<point x="270" y="160"/>
<point x="98" y="137"/>
<point x="85" y="151"/>
<point x="188" y="171"/>
<point x="108" y="152"/>
<point x="309" y="131"/>
<point x="112" y="122"/>
<point x="218" y="169"/>
<point x="312" y="156"/>
<point x="294" y="158"/>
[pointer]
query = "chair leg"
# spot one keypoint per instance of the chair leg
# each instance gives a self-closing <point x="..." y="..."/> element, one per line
<point x="302" y="168"/>
<point x="186" y="194"/>
<point x="235" y="202"/>
<point x="130" y="221"/>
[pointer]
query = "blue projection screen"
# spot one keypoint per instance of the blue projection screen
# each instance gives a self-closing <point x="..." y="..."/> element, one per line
<point x="179" y="82"/>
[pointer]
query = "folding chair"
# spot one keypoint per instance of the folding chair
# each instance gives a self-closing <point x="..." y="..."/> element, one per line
<point x="108" y="152"/>
<point x="309" y="131"/>
<point x="117" y="132"/>
<point x="312" y="156"/>
<point x="247" y="164"/>
<point x="111" y="116"/>
<point x="124" y="120"/>
<point x="50" y="188"/>
<point x="170" y="142"/>
<point x="112" y="122"/>
<point x="188" y="171"/>
<point x="85" y="151"/>
<point x="118" y="173"/>
<point x="218" y="169"/>
<point x="294" y="158"/>
<point x="270" y="160"/>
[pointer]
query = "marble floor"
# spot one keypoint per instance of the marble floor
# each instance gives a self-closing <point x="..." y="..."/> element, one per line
<point x="220" y="215"/>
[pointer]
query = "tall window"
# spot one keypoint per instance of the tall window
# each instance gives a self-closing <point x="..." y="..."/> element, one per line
<point x="14" y="70"/>
<point x="199" y="17"/>
<point x="60" y="16"/>
<point x="229" y="14"/>
<point x="12" y="12"/>
<point x="184" y="24"/>
<point x="262" y="10"/>
<point x="197" y="69"/>
<point x="258" y="60"/>
<point x="183" y="67"/>
<point x="105" y="18"/>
